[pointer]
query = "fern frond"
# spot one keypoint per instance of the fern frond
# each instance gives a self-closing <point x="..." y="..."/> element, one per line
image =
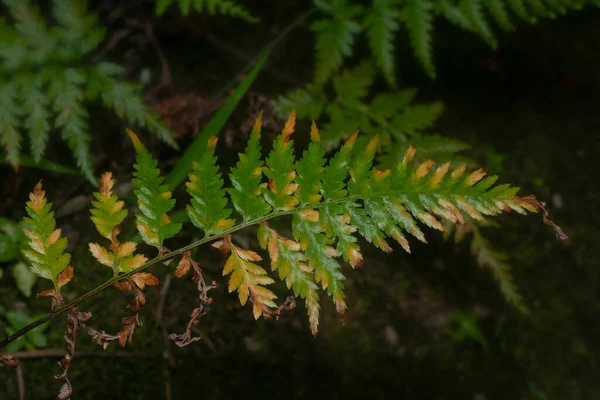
<point x="213" y="7"/>
<point x="247" y="278"/>
<point x="381" y="23"/>
<point x="418" y="18"/>
<point x="335" y="37"/>
<point x="154" y="200"/>
<point x="46" y="252"/>
<point x="208" y="209"/>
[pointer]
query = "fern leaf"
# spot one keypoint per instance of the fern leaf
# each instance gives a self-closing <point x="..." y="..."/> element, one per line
<point x="246" y="179"/>
<point x="306" y="103"/>
<point x="417" y="118"/>
<point x="472" y="10"/>
<point x="72" y="117"/>
<point x="290" y="262"/>
<point x="35" y="107"/>
<point x="107" y="210"/>
<point x="419" y="21"/>
<point x="126" y="100"/>
<point x="489" y="258"/>
<point x="248" y="278"/>
<point x="154" y="200"/>
<point x="9" y="122"/>
<point x="208" y="209"/>
<point x="498" y="11"/>
<point x="222" y="7"/>
<point x="280" y="170"/>
<point x="335" y="38"/>
<point x="518" y="7"/>
<point x="381" y="23"/>
<point x="46" y="244"/>
<point x="309" y="170"/>
<point x="32" y="28"/>
<point x="452" y="13"/>
<point x="308" y="231"/>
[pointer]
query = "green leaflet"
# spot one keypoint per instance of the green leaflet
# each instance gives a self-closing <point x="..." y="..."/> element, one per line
<point x="154" y="200"/>
<point x="309" y="170"/>
<point x="280" y="170"/>
<point x="381" y="23"/>
<point x="418" y="17"/>
<point x="208" y="209"/>
<point x="246" y="179"/>
<point x="228" y="8"/>
<point x="46" y="245"/>
<point x="335" y="37"/>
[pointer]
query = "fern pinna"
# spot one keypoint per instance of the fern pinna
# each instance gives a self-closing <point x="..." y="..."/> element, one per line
<point x="331" y="203"/>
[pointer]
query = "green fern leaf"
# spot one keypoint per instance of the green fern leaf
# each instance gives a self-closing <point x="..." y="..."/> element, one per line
<point x="154" y="200"/>
<point x="308" y="231"/>
<point x="472" y="10"/>
<point x="498" y="10"/>
<point x="418" y="18"/>
<point x="495" y="261"/>
<point x="417" y="118"/>
<point x="35" y="107"/>
<point x="290" y="262"/>
<point x="46" y="245"/>
<point x="280" y="170"/>
<point x="208" y="209"/>
<point x="221" y="7"/>
<point x="452" y="13"/>
<point x="246" y="179"/>
<point x="309" y="170"/>
<point x="335" y="38"/>
<point x="381" y="22"/>
<point x="306" y="103"/>
<point x="518" y="7"/>
<point x="9" y="122"/>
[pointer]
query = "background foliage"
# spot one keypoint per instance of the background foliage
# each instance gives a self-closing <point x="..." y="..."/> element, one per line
<point x="424" y="325"/>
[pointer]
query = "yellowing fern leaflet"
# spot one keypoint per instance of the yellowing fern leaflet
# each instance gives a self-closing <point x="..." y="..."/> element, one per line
<point x="46" y="251"/>
<point x="248" y="278"/>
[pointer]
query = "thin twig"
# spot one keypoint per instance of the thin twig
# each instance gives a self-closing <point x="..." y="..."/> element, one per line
<point x="60" y="353"/>
<point x="20" y="383"/>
